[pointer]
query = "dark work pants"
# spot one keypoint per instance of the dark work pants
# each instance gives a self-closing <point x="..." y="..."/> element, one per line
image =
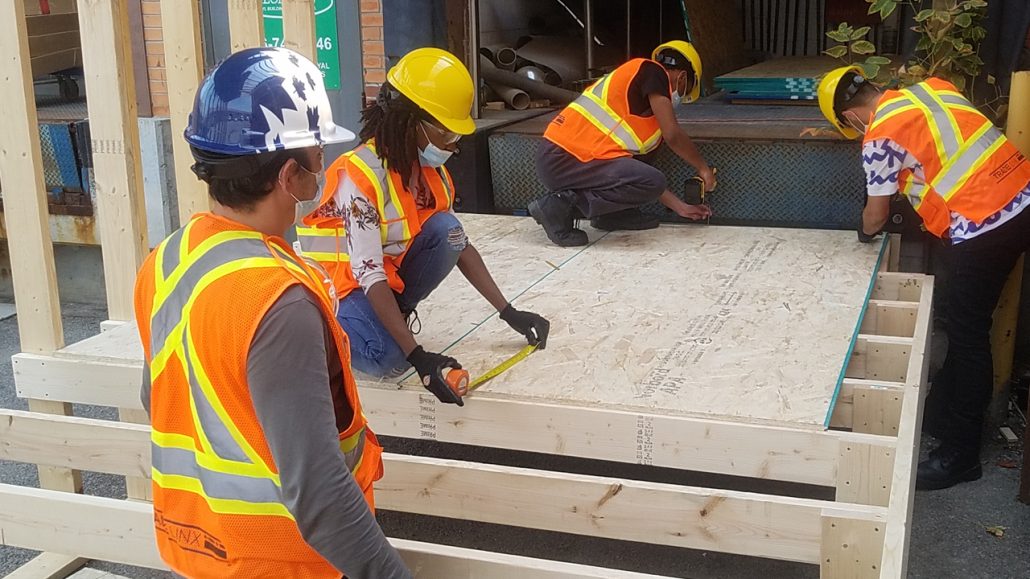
<point x="602" y="186"/>
<point x="962" y="390"/>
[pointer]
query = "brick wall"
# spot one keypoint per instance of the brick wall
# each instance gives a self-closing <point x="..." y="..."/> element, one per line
<point x="155" y="56"/>
<point x="372" y="49"/>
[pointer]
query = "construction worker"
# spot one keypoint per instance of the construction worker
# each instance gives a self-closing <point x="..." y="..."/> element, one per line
<point x="262" y="461"/>
<point x="971" y="187"/>
<point x="386" y="230"/>
<point x="591" y="156"/>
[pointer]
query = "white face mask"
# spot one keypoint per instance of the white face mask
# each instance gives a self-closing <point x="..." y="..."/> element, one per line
<point x="305" y="207"/>
<point x="432" y="156"/>
<point x="677" y="98"/>
<point x="854" y="122"/>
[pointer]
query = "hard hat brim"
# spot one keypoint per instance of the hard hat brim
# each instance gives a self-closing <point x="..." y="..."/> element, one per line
<point x="827" y="93"/>
<point x="333" y="134"/>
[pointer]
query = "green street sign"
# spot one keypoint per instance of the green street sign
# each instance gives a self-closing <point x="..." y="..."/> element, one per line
<point x="326" y="41"/>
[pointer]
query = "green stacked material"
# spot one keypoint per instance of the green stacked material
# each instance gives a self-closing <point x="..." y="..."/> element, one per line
<point x="792" y="78"/>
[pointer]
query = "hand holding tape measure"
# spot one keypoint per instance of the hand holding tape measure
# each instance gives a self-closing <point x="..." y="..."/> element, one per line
<point x="695" y="194"/>
<point x="443" y="375"/>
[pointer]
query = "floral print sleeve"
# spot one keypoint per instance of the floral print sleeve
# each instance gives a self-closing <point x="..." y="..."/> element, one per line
<point x="361" y="220"/>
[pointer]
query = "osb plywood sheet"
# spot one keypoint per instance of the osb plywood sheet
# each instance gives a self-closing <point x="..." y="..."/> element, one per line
<point x="733" y="323"/>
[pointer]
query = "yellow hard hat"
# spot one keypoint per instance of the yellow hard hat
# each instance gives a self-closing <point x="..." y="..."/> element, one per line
<point x="828" y="88"/>
<point x="690" y="53"/>
<point x="439" y="83"/>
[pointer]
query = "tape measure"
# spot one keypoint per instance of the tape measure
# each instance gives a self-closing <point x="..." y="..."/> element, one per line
<point x="459" y="382"/>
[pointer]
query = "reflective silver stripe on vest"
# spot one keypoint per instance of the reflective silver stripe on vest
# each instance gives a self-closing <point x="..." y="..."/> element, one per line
<point x="352" y="457"/>
<point x="170" y="259"/>
<point x="170" y="312"/>
<point x="941" y="118"/>
<point x="223" y="444"/>
<point x="893" y="106"/>
<point x="950" y="99"/>
<point x="321" y="243"/>
<point x="613" y="124"/>
<point x="216" y="485"/>
<point x="947" y="181"/>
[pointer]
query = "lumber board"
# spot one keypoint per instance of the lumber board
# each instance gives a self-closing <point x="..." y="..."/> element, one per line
<point x="122" y="532"/>
<point x="729" y="448"/>
<point x="114" y="134"/>
<point x="890" y="318"/>
<point x="880" y="358"/>
<point x="894" y="562"/>
<point x="843" y="410"/>
<point x="80" y="443"/>
<point x="41" y="45"/>
<point x="48" y="566"/>
<point x="734" y="334"/>
<point x="184" y="67"/>
<point x="299" y="27"/>
<point x="851" y="548"/>
<point x="246" y="24"/>
<point x="865" y="473"/>
<point x="25" y="202"/>
<point x="760" y="525"/>
<point x="51" y="23"/>
<point x="774" y="527"/>
<point x="877" y="410"/>
<point x="136" y="487"/>
<point x="55" y="61"/>
<point x="431" y="561"/>
<point x="81" y="525"/>
<point x="896" y="286"/>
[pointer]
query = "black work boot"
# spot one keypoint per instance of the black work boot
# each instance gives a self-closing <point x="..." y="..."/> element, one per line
<point x="555" y="213"/>
<point x="946" y="467"/>
<point x="625" y="220"/>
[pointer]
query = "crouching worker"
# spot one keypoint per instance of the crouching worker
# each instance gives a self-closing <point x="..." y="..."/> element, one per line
<point x="386" y="231"/>
<point x="592" y="158"/>
<point x="263" y="464"/>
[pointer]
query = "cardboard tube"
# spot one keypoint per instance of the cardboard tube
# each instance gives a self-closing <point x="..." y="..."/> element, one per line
<point x="516" y="98"/>
<point x="557" y="96"/>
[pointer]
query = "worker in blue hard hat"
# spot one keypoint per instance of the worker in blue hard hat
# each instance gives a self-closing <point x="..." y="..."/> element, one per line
<point x="592" y="159"/>
<point x="263" y="463"/>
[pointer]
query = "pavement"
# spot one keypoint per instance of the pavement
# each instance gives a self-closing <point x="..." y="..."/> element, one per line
<point x="950" y="535"/>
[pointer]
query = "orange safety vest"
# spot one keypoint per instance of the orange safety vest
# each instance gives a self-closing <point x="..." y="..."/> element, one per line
<point x="599" y="125"/>
<point x="218" y="505"/>
<point x="324" y="236"/>
<point x="969" y="166"/>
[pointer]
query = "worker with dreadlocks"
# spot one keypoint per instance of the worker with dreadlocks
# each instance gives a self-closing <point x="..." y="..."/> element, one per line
<point x="385" y="229"/>
<point x="592" y="160"/>
<point x="971" y="186"/>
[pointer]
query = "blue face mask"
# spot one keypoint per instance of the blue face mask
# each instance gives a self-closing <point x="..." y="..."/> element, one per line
<point x="432" y="156"/>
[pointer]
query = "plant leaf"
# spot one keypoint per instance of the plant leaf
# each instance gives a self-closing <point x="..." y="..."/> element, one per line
<point x="863" y="47"/>
<point x="880" y="60"/>
<point x="836" y="51"/>
<point x="924" y="14"/>
<point x="870" y="70"/>
<point x="860" y="33"/>
<point x="942" y="16"/>
<point x="838" y="36"/>
<point x="964" y="20"/>
<point x="888" y="10"/>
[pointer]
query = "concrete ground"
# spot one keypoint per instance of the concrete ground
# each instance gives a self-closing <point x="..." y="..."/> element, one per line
<point x="949" y="537"/>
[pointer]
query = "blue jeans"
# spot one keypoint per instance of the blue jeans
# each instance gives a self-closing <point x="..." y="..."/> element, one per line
<point x="433" y="254"/>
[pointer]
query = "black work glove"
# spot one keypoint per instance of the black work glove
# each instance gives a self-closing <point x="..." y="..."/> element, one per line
<point x="530" y="325"/>
<point x="429" y="366"/>
<point x="864" y="237"/>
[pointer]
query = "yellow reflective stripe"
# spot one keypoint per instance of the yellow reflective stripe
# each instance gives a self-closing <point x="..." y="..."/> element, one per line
<point x="956" y="131"/>
<point x="892" y="108"/>
<point x="619" y="122"/>
<point x="652" y="142"/>
<point x="600" y="127"/>
<point x="207" y="461"/>
<point x="160" y="358"/>
<point x="960" y="169"/>
<point x="376" y="184"/>
<point x="915" y="192"/>
<point x="165" y="289"/>
<point x="221" y="506"/>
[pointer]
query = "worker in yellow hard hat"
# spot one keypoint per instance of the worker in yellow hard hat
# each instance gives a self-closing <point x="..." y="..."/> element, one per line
<point x="385" y="227"/>
<point x="971" y="187"/>
<point x="593" y="157"/>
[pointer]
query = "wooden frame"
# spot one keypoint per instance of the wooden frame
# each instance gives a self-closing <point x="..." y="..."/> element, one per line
<point x="867" y="457"/>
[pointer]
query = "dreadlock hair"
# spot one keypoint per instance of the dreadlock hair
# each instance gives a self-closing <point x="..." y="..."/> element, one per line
<point x="392" y="120"/>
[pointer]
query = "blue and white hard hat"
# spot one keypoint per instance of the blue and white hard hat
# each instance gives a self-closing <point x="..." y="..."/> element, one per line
<point x="260" y="100"/>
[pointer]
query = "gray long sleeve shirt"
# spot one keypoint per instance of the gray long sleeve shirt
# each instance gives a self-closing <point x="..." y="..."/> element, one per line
<point x="289" y="369"/>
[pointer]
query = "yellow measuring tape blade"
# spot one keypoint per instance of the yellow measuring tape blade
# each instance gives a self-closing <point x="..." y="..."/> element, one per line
<point x="502" y="367"/>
